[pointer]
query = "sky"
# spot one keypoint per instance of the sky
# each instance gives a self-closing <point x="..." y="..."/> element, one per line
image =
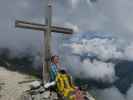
<point x="114" y="16"/>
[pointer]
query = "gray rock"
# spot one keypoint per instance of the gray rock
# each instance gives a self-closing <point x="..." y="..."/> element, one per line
<point x="45" y="95"/>
<point x="36" y="97"/>
<point x="42" y="94"/>
<point x="54" y="96"/>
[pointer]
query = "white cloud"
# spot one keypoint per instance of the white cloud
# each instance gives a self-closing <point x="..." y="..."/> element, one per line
<point x="74" y="27"/>
<point x="98" y="70"/>
<point x="113" y="16"/>
<point x="104" y="48"/>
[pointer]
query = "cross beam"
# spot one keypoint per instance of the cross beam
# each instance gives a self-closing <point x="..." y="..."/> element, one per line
<point x="40" y="27"/>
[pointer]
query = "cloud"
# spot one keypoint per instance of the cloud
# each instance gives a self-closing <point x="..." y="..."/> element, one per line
<point x="98" y="70"/>
<point x="104" y="48"/>
<point x="113" y="94"/>
<point x="95" y="57"/>
<point x="112" y="16"/>
<point x="74" y="27"/>
<point x="23" y="4"/>
<point x="74" y="3"/>
<point x="109" y="94"/>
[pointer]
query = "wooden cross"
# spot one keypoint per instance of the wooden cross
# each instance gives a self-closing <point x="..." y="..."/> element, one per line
<point x="47" y="29"/>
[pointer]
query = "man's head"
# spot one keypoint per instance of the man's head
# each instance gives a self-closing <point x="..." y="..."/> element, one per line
<point x="55" y="59"/>
<point x="62" y="71"/>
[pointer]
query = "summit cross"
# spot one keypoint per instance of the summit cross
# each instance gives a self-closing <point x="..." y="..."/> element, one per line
<point x="47" y="29"/>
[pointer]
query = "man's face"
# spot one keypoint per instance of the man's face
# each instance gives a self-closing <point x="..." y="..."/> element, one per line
<point x="56" y="59"/>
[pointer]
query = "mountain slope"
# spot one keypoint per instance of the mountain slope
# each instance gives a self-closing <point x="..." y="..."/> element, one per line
<point x="11" y="89"/>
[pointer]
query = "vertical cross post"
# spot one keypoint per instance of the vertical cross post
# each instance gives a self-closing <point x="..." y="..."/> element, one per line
<point x="47" y="42"/>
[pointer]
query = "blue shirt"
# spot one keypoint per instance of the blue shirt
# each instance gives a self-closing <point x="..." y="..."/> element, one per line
<point x="53" y="72"/>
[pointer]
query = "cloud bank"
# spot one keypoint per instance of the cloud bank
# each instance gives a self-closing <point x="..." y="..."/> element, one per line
<point x="113" y="94"/>
<point x="95" y="58"/>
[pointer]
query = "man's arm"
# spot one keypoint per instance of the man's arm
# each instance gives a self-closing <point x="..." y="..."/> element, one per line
<point x="58" y="66"/>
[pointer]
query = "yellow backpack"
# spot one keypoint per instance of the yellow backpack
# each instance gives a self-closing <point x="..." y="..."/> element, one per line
<point x="65" y="85"/>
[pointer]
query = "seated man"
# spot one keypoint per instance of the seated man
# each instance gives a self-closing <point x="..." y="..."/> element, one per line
<point x="66" y="87"/>
<point x="54" y="67"/>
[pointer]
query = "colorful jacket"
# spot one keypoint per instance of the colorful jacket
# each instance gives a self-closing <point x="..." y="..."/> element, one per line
<point x="53" y="72"/>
